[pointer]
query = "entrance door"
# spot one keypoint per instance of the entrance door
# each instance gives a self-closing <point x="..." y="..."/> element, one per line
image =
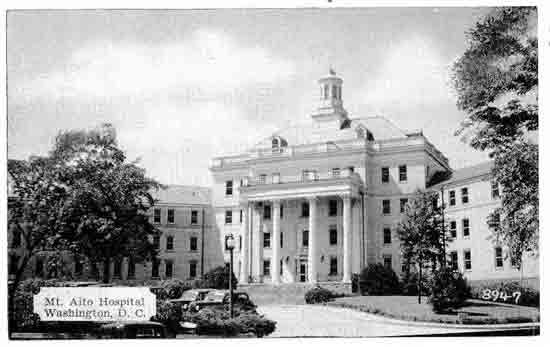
<point x="302" y="271"/>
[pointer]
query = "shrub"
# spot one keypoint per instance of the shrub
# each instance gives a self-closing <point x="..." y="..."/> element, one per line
<point x="449" y="290"/>
<point x="377" y="279"/>
<point x="255" y="323"/>
<point x="218" y="278"/>
<point x="318" y="295"/>
<point x="24" y="319"/>
<point x="528" y="297"/>
<point x="218" y="322"/>
<point x="168" y="314"/>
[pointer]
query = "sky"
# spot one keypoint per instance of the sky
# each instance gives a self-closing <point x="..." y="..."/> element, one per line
<point x="184" y="86"/>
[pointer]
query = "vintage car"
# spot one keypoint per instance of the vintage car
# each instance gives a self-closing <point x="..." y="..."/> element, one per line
<point x="132" y="330"/>
<point x="220" y="298"/>
<point x="189" y="296"/>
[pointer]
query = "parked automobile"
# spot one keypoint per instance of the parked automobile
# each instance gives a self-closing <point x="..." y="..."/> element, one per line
<point x="220" y="298"/>
<point x="132" y="330"/>
<point x="189" y="296"/>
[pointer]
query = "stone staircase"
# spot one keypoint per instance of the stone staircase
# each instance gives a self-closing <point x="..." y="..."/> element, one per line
<point x="284" y="294"/>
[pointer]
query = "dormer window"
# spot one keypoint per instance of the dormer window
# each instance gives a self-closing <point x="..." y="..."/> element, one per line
<point x="277" y="144"/>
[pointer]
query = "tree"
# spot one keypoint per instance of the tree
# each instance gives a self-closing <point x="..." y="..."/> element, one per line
<point x="421" y="233"/>
<point x="104" y="216"/>
<point x="33" y="213"/>
<point x="496" y="80"/>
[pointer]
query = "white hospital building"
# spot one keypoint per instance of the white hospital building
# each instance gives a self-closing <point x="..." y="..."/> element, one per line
<point x="319" y="201"/>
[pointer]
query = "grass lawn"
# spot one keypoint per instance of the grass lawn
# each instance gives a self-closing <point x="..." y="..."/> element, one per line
<point x="407" y="308"/>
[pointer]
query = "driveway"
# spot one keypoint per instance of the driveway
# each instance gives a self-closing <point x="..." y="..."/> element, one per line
<point x="318" y="321"/>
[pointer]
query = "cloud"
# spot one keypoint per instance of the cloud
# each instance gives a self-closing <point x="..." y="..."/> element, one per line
<point x="412" y="74"/>
<point x="208" y="61"/>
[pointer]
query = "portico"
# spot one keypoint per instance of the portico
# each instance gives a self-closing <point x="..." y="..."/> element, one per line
<point x="300" y="201"/>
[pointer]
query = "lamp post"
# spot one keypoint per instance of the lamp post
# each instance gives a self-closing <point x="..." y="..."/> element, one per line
<point x="230" y="245"/>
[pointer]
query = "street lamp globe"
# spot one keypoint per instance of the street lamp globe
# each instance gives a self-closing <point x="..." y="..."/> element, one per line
<point x="230" y="242"/>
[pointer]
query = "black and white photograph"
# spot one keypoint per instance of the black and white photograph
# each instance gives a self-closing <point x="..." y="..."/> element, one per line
<point x="238" y="172"/>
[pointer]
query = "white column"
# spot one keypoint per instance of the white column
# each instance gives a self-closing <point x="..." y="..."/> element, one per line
<point x="312" y="247"/>
<point x="347" y="239"/>
<point x="245" y="241"/>
<point x="275" y="277"/>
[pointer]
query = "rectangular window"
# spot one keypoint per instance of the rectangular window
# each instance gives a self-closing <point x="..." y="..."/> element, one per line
<point x="267" y="240"/>
<point x="452" y="198"/>
<point x="387" y="261"/>
<point x="192" y="269"/>
<point x="228" y="217"/>
<point x="402" y="173"/>
<point x="240" y="216"/>
<point x="499" y="262"/>
<point x="333" y="235"/>
<point x="305" y="238"/>
<point x="403" y="204"/>
<point x="171" y="216"/>
<point x="156" y="241"/>
<point x="333" y="266"/>
<point x="465" y="227"/>
<point x="305" y="209"/>
<point x="169" y="243"/>
<point x="281" y="210"/>
<point x="156" y="216"/>
<point x="194" y="217"/>
<point x="267" y="268"/>
<point x="281" y="239"/>
<point x="467" y="260"/>
<point x="452" y="225"/>
<point x="332" y="208"/>
<point x="386" y="207"/>
<point x="464" y="192"/>
<point x="193" y="243"/>
<point x="385" y="175"/>
<point x="281" y="267"/>
<point x="78" y="268"/>
<point x="495" y="220"/>
<point x="335" y="172"/>
<point x="168" y="268"/>
<point x="495" y="193"/>
<point x="131" y="268"/>
<point x="454" y="260"/>
<point x="276" y="178"/>
<point x="229" y="188"/>
<point x="387" y="236"/>
<point x="155" y="268"/>
<point x="262" y="178"/>
<point x="267" y="211"/>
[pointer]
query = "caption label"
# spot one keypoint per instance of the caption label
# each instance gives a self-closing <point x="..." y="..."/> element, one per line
<point x="95" y="304"/>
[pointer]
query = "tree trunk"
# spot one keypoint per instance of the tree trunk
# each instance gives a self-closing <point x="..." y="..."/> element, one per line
<point x="106" y="270"/>
<point x="419" y="280"/>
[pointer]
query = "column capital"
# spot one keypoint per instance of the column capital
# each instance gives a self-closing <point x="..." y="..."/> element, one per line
<point x="275" y="201"/>
<point x="345" y="196"/>
<point x="312" y="199"/>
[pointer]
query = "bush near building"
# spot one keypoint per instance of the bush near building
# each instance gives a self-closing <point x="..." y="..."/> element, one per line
<point x="212" y="321"/>
<point x="319" y="295"/>
<point x="218" y="278"/>
<point x="377" y="279"/>
<point x="449" y="290"/>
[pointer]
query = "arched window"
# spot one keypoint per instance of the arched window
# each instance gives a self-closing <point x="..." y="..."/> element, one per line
<point x="325" y="94"/>
<point x="275" y="143"/>
<point x="335" y="92"/>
